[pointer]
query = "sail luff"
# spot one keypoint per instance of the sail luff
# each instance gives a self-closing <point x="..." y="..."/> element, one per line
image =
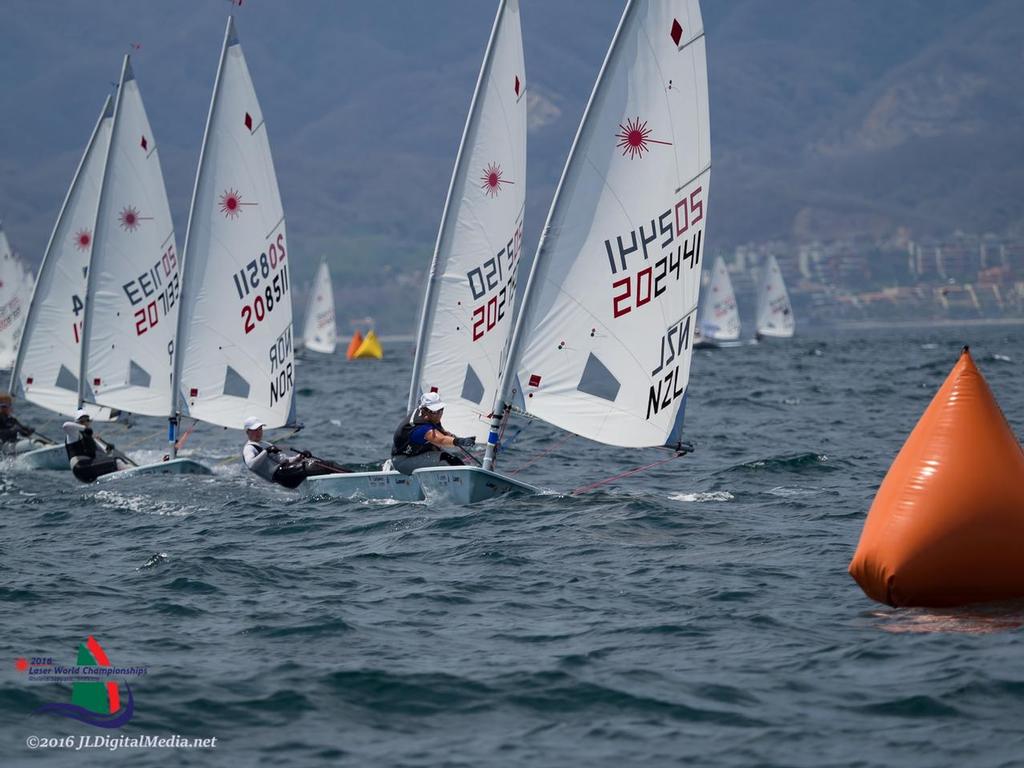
<point x="186" y="249"/>
<point x="444" y="233"/>
<point x="101" y="207"/>
<point x="515" y="345"/>
<point x="47" y="264"/>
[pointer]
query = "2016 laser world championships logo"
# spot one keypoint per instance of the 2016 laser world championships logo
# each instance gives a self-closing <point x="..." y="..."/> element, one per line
<point x="96" y="699"/>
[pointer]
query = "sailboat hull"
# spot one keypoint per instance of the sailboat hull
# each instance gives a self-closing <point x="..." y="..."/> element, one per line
<point x="171" y="467"/>
<point x="50" y="457"/>
<point x="366" y="485"/>
<point x="468" y="485"/>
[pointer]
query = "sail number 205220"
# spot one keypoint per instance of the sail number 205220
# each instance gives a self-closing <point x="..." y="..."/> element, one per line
<point x="266" y="280"/>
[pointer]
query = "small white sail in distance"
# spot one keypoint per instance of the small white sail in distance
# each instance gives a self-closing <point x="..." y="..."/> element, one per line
<point x="320" y="332"/>
<point x="47" y="370"/>
<point x="235" y="353"/>
<point x="467" y="316"/>
<point x="720" y="318"/>
<point x="131" y="303"/>
<point x="604" y="343"/>
<point x="13" y="302"/>
<point x="774" y="312"/>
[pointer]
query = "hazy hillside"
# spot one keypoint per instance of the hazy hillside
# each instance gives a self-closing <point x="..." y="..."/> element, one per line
<point x="827" y="117"/>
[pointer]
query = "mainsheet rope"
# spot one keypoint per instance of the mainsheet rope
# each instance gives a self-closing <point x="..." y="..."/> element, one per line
<point x="591" y="486"/>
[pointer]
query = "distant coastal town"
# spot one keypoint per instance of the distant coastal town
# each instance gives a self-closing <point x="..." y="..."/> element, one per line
<point x="962" y="277"/>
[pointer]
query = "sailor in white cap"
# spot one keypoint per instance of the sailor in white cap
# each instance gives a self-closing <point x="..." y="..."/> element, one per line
<point x="269" y="462"/>
<point x="81" y="445"/>
<point x="420" y="439"/>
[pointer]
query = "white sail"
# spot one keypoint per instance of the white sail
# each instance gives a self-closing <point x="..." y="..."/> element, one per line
<point x="133" y="283"/>
<point x="47" y="369"/>
<point x="468" y="309"/>
<point x="719" y="317"/>
<point x="609" y="314"/>
<point x="13" y="302"/>
<point x="774" y="312"/>
<point x="235" y="346"/>
<point x="320" y="332"/>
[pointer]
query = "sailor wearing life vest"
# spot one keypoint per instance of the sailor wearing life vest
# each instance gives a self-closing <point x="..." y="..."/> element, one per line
<point x="80" y="444"/>
<point x="420" y="439"/>
<point x="11" y="430"/>
<point x="267" y="460"/>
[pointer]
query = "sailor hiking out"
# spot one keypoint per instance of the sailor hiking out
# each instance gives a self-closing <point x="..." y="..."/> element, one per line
<point x="270" y="462"/>
<point x="82" y="445"/>
<point x="420" y="439"/>
<point x="11" y="430"/>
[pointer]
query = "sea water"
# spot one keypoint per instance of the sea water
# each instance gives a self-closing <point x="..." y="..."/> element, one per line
<point x="696" y="613"/>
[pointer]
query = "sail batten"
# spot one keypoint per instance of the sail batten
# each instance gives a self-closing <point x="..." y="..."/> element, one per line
<point x="603" y="344"/>
<point x="235" y="346"/>
<point x="467" y="315"/>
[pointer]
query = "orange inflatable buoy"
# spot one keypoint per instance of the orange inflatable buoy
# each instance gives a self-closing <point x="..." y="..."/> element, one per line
<point x="947" y="524"/>
<point x="353" y="346"/>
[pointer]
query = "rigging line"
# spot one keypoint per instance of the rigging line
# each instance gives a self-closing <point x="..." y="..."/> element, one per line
<point x="541" y="455"/>
<point x="146" y="438"/>
<point x="184" y="438"/>
<point x="591" y="486"/>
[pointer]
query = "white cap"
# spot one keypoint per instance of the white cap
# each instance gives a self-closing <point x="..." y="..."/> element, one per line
<point x="252" y="423"/>
<point x="431" y="401"/>
<point x="80" y="413"/>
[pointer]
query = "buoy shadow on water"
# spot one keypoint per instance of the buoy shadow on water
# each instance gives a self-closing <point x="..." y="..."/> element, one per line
<point x="977" y="619"/>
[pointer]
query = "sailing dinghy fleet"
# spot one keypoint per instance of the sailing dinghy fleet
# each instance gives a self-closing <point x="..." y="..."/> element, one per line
<point x="600" y="347"/>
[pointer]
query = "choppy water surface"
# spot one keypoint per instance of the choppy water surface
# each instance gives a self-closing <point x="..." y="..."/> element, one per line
<point x="700" y="612"/>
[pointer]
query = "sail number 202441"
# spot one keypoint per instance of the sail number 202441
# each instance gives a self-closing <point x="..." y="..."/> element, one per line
<point x="669" y="230"/>
<point x="266" y="279"/>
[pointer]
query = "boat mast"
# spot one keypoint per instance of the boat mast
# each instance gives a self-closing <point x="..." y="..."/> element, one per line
<point x="443" y="233"/>
<point x="172" y="420"/>
<point x="101" y="211"/>
<point x="515" y="347"/>
<point x="47" y="254"/>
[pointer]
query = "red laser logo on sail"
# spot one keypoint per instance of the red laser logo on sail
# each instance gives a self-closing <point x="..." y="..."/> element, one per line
<point x="492" y="180"/>
<point x="83" y="239"/>
<point x="231" y="203"/>
<point x="634" y="137"/>
<point x="129" y="218"/>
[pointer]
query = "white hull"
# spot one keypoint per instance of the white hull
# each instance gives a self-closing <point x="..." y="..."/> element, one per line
<point x="468" y="485"/>
<point x="50" y="457"/>
<point x="365" y="485"/>
<point x="706" y="343"/>
<point x="21" y="446"/>
<point x="171" y="467"/>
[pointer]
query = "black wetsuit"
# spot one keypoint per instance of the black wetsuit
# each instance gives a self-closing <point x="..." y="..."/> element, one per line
<point x="267" y="461"/>
<point x="82" y="453"/>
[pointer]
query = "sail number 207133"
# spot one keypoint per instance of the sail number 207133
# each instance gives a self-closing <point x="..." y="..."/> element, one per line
<point x="266" y="280"/>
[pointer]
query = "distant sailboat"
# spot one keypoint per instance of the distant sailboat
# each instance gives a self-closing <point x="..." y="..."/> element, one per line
<point x="133" y="285"/>
<point x="719" y="323"/>
<point x="602" y="345"/>
<point x="15" y="291"/>
<point x="46" y="372"/>
<point x="467" y="311"/>
<point x="320" y="332"/>
<point x="234" y="354"/>
<point x="774" y="312"/>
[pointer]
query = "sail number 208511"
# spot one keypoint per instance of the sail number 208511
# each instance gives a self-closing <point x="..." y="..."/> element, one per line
<point x="266" y="279"/>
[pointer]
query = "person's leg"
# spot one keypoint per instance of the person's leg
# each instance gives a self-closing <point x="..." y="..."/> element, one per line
<point x="290" y="475"/>
<point x="451" y="460"/>
<point x="408" y="464"/>
<point x="87" y="470"/>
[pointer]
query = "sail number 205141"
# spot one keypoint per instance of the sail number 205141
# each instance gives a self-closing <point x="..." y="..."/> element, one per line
<point x="266" y="280"/>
